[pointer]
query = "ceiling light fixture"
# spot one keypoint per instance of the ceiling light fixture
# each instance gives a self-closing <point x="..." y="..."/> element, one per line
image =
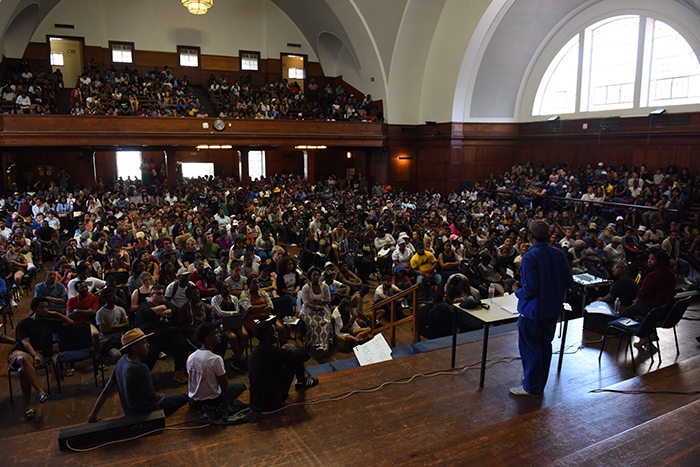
<point x="309" y="147"/>
<point x="198" y="7"/>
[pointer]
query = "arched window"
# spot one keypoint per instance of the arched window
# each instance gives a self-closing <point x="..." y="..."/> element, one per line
<point x="622" y="62"/>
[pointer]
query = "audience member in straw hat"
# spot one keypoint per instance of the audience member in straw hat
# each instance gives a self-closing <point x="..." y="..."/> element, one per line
<point x="131" y="377"/>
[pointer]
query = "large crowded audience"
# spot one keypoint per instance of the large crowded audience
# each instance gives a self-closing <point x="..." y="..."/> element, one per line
<point x="167" y="259"/>
<point x="159" y="93"/>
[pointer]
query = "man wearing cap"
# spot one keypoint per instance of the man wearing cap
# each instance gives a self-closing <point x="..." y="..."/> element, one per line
<point x="402" y="254"/>
<point x="133" y="380"/>
<point x="615" y="251"/>
<point x="272" y="368"/>
<point x="175" y="292"/>
<point x="207" y="384"/>
<point x="625" y="288"/>
<point x="544" y="278"/>
<point x="160" y="318"/>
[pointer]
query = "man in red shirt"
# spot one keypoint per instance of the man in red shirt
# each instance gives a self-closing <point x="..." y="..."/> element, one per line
<point x="82" y="309"/>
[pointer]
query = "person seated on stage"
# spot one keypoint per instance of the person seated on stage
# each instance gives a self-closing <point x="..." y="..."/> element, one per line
<point x="625" y="288"/>
<point x="207" y="384"/>
<point x="441" y="315"/>
<point x="271" y="369"/>
<point x="160" y="318"/>
<point x="658" y="289"/>
<point x="53" y="291"/>
<point x="424" y="265"/>
<point x="111" y="320"/>
<point x="33" y="347"/>
<point x="133" y="380"/>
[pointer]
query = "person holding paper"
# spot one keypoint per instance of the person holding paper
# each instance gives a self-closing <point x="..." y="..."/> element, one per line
<point x="625" y="288"/>
<point x="544" y="278"/>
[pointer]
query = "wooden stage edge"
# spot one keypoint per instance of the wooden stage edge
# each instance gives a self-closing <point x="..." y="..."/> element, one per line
<point x="445" y="419"/>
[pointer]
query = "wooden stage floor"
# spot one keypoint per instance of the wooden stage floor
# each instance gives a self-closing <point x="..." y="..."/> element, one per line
<point x="440" y="420"/>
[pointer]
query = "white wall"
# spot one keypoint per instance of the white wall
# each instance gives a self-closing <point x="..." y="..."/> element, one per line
<point x="162" y="25"/>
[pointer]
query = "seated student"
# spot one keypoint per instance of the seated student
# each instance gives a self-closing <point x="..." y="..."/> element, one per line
<point x="111" y="320"/>
<point x="424" y="266"/>
<point x="53" y="291"/>
<point x="207" y="384"/>
<point x="133" y="380"/>
<point x="271" y="369"/>
<point x="160" y="318"/>
<point x="256" y="305"/>
<point x="384" y="291"/>
<point x="83" y="271"/>
<point x="34" y="346"/>
<point x="441" y="315"/>
<point x="354" y="328"/>
<point x="83" y="309"/>
<point x="625" y="288"/>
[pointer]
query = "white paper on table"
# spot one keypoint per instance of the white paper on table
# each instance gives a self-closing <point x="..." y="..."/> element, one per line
<point x="509" y="303"/>
<point x="374" y="351"/>
<point x="600" y="308"/>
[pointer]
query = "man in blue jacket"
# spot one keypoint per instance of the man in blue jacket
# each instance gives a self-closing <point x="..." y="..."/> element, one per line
<point x="545" y="276"/>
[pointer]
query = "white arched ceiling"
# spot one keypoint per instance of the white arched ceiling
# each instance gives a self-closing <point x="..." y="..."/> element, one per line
<point x="518" y="30"/>
<point x="511" y="36"/>
<point x="336" y="59"/>
<point x="18" y="21"/>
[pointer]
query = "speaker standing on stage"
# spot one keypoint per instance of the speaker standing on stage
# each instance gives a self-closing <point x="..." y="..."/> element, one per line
<point x="545" y="276"/>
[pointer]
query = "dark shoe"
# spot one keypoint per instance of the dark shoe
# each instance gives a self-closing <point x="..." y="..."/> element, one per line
<point x="43" y="398"/>
<point x="309" y="383"/>
<point x="29" y="414"/>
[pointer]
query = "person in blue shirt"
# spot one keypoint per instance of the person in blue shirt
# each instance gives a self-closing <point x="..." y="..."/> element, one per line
<point x="544" y="278"/>
<point x="53" y="291"/>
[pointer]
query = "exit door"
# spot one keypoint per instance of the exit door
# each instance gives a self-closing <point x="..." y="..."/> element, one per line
<point x="67" y="55"/>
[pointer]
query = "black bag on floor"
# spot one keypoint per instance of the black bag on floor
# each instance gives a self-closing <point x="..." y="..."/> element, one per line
<point x="232" y="412"/>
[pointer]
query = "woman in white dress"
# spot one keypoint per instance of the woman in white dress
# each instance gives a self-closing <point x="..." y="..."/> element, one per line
<point x="315" y="311"/>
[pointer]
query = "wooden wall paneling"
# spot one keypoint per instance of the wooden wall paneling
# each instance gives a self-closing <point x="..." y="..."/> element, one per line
<point x="106" y="165"/>
<point x="280" y="161"/>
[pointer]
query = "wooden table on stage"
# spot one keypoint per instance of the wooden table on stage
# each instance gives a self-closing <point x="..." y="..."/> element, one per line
<point x="494" y="315"/>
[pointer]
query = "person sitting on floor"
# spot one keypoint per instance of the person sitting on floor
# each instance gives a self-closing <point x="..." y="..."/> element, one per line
<point x="33" y="347"/>
<point x="272" y="368"/>
<point x="133" y="380"/>
<point x="207" y="384"/>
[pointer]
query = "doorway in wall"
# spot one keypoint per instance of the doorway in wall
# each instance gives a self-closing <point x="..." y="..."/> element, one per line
<point x="67" y="55"/>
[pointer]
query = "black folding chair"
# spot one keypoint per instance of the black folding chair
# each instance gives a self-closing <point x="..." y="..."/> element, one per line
<point x="44" y="366"/>
<point x="75" y="345"/>
<point x="673" y="318"/>
<point x="633" y="327"/>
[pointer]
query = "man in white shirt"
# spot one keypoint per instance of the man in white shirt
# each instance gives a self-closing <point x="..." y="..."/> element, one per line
<point x="206" y="383"/>
<point x="92" y="282"/>
<point x="22" y="103"/>
<point x="176" y="290"/>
